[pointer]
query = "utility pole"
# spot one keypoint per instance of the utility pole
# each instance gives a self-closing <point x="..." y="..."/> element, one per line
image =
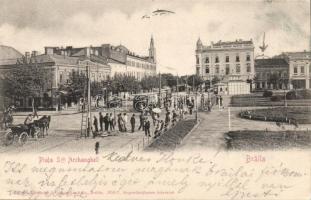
<point x="177" y="86"/>
<point x="159" y="90"/>
<point x="89" y="120"/>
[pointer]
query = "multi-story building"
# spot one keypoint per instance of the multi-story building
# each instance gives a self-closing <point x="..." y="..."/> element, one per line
<point x="126" y="62"/>
<point x="272" y="73"/>
<point x="121" y="60"/>
<point x="231" y="62"/>
<point x="299" y="69"/>
<point x="61" y="66"/>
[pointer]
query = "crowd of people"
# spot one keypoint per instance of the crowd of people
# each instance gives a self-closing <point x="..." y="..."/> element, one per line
<point x="175" y="110"/>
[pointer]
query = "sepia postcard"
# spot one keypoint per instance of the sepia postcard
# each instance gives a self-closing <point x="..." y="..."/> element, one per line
<point x="155" y="99"/>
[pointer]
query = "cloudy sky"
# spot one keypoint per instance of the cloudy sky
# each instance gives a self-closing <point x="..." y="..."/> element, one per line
<point x="31" y="25"/>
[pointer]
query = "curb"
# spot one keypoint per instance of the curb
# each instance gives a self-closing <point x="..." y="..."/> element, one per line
<point x="193" y="129"/>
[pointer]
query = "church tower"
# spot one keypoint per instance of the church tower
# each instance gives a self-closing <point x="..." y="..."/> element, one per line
<point x="152" y="51"/>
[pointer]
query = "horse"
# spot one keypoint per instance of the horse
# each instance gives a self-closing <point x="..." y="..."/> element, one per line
<point x="44" y="124"/>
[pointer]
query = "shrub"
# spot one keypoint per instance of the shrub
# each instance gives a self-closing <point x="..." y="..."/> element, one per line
<point x="291" y="95"/>
<point x="267" y="93"/>
<point x="277" y="98"/>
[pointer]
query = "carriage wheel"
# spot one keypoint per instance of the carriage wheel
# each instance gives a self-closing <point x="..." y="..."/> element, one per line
<point x="22" y="138"/>
<point x="9" y="138"/>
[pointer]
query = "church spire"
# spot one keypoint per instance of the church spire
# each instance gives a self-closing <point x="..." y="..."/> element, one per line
<point x="152" y="51"/>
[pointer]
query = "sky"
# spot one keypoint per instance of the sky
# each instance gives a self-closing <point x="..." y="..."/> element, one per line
<point x="34" y="24"/>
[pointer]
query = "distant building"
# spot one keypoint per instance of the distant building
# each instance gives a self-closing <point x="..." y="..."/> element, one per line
<point x="61" y="66"/>
<point x="121" y="60"/>
<point x="125" y="62"/>
<point x="272" y="73"/>
<point x="230" y="62"/>
<point x="299" y="69"/>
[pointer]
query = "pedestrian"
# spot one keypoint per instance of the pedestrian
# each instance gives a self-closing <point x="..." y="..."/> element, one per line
<point x="133" y="122"/>
<point x="106" y="122"/>
<point x="157" y="130"/>
<point x="120" y="124"/>
<point x="167" y="120"/>
<point x="147" y="128"/>
<point x="190" y="108"/>
<point x="141" y="122"/>
<point x="101" y="121"/>
<point x="174" y="117"/>
<point x="220" y="100"/>
<point x="125" y="122"/>
<point x="111" y="122"/>
<point x="95" y="123"/>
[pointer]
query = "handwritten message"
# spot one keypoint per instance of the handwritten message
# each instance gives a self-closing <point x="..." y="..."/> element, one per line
<point x="166" y="175"/>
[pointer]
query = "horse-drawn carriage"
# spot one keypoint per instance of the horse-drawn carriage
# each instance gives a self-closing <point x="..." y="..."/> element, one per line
<point x="21" y="133"/>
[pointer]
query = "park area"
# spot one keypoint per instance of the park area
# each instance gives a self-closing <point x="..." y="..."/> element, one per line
<point x="298" y="115"/>
<point x="254" y="140"/>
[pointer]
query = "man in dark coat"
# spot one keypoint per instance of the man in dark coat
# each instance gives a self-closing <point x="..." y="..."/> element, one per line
<point x="141" y="121"/>
<point x="147" y="128"/>
<point x="133" y="122"/>
<point x="95" y="123"/>
<point x="101" y="121"/>
<point x="106" y="121"/>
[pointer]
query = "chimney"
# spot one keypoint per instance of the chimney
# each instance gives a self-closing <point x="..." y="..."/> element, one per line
<point x="27" y="57"/>
<point x="49" y="50"/>
<point x="34" y="53"/>
<point x="87" y="51"/>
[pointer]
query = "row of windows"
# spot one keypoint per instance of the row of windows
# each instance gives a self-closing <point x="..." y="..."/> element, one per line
<point x="227" y="59"/>
<point x="139" y="65"/>
<point x="302" y="69"/>
<point x="268" y="74"/>
<point x="63" y="77"/>
<point x="237" y="68"/>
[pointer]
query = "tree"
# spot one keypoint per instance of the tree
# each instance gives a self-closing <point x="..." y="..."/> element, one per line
<point x="195" y="80"/>
<point x="150" y="82"/>
<point x="26" y="80"/>
<point x="124" y="83"/>
<point x="274" y="79"/>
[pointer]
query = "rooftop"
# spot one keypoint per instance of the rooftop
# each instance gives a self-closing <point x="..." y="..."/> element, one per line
<point x="270" y="62"/>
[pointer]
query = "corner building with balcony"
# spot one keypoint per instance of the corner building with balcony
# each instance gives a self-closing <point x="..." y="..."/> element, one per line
<point x="232" y="63"/>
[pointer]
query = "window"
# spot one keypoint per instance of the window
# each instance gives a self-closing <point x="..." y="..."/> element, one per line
<point x="207" y="60"/>
<point x="295" y="70"/>
<point x="237" y="59"/>
<point x="93" y="74"/>
<point x="207" y="69"/>
<point x="197" y="60"/>
<point x="100" y="75"/>
<point x="217" y="59"/>
<point x="248" y="58"/>
<point x="60" y="77"/>
<point x="238" y="68"/>
<point x="217" y="69"/>
<point x="227" y="59"/>
<point x="227" y="69"/>
<point x="248" y="67"/>
<point x="302" y="69"/>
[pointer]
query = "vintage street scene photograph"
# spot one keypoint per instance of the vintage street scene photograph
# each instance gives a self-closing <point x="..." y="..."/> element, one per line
<point x="154" y="76"/>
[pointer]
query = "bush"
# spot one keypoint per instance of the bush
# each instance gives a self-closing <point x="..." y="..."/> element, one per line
<point x="267" y="93"/>
<point x="291" y="95"/>
<point x="277" y="98"/>
<point x="305" y="94"/>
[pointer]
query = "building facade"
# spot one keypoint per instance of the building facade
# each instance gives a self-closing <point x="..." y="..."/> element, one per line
<point x="125" y="62"/>
<point x="272" y="73"/>
<point x="299" y="69"/>
<point x="61" y="67"/>
<point x="226" y="61"/>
